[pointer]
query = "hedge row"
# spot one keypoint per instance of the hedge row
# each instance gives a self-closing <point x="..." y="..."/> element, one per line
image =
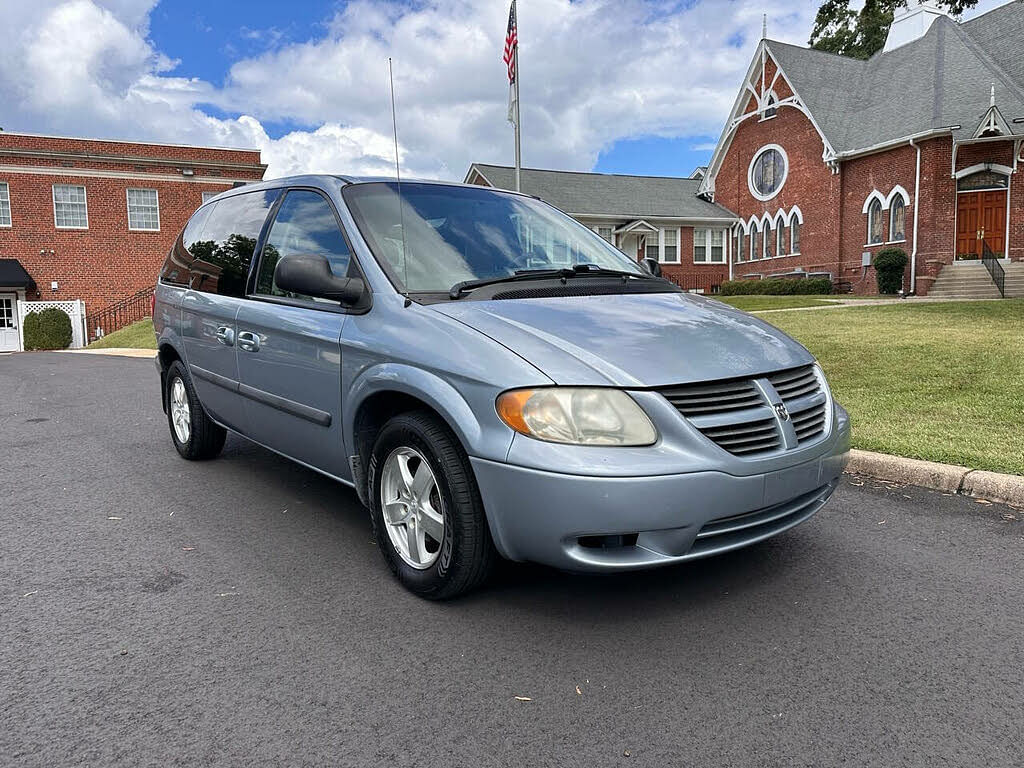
<point x="777" y="287"/>
<point x="48" y="329"/>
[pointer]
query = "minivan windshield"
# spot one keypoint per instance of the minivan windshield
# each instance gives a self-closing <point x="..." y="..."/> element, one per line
<point x="454" y="234"/>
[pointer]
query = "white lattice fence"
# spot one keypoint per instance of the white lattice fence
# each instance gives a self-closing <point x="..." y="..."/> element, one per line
<point x="74" y="309"/>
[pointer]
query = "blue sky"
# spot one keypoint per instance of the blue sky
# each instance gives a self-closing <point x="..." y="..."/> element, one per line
<point x="625" y="86"/>
<point x="207" y="38"/>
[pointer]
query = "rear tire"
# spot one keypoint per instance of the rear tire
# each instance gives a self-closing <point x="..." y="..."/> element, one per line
<point x="195" y="435"/>
<point x="428" y="518"/>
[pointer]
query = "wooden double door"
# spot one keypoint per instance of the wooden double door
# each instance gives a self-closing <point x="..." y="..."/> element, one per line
<point x="981" y="218"/>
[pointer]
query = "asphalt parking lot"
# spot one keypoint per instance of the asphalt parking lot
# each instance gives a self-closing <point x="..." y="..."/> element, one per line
<point x="160" y="612"/>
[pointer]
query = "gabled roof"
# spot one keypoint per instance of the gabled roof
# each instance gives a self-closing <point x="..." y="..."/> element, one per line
<point x="938" y="81"/>
<point x="937" y="84"/>
<point x="607" y="194"/>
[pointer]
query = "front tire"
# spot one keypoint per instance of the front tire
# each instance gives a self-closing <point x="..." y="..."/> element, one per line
<point x="195" y="435"/>
<point x="428" y="518"/>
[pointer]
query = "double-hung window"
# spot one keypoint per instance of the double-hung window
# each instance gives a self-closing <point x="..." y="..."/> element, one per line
<point x="709" y="246"/>
<point x="70" y="210"/>
<point x="670" y="246"/>
<point x="143" y="210"/>
<point x="700" y="246"/>
<point x="5" y="205"/>
<point x="605" y="233"/>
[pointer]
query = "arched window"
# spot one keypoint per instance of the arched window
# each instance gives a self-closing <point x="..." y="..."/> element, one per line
<point x="780" y="239"/>
<point x="897" y="220"/>
<point x="755" y="243"/>
<point x="874" y="222"/>
<point x="794" y="235"/>
<point x="769" y="241"/>
<point x="738" y="245"/>
<point x="771" y="110"/>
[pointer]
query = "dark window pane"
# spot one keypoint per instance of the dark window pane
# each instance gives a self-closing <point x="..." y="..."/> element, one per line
<point x="305" y="224"/>
<point x="179" y="260"/>
<point x="898" y="221"/>
<point x="224" y="250"/>
<point x="875" y="222"/>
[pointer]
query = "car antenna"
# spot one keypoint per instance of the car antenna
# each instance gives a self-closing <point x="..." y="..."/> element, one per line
<point x="398" y="178"/>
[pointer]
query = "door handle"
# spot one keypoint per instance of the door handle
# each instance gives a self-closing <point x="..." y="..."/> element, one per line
<point x="226" y="335"/>
<point x="248" y="341"/>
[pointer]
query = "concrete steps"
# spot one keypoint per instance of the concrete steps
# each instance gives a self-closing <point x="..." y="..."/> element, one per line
<point x="1014" y="283"/>
<point x="965" y="280"/>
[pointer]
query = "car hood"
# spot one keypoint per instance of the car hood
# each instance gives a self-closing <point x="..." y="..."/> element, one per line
<point x="646" y="340"/>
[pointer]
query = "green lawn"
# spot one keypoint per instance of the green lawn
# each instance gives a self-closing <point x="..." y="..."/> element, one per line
<point x="135" y="336"/>
<point x="943" y="382"/>
<point x="755" y="303"/>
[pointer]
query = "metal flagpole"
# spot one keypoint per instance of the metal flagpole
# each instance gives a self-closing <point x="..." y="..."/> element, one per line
<point x="515" y="55"/>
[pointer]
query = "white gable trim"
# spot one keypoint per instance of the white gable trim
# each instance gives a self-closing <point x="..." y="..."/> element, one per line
<point x="469" y="175"/>
<point x="636" y="226"/>
<point x="1003" y="169"/>
<point x="736" y="116"/>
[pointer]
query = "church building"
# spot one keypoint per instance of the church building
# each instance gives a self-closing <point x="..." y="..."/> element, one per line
<point x="825" y="160"/>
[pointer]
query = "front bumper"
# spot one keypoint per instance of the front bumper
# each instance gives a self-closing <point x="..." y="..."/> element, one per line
<point x="639" y="522"/>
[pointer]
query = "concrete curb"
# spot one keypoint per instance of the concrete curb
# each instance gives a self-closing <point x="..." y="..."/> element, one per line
<point x="949" y="478"/>
<point x="117" y="351"/>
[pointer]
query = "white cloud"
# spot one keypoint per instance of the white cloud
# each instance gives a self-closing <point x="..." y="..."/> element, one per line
<point x="593" y="72"/>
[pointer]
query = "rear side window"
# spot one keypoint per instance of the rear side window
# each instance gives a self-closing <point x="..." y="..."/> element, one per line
<point x="305" y="224"/>
<point x="223" y="252"/>
<point x="179" y="260"/>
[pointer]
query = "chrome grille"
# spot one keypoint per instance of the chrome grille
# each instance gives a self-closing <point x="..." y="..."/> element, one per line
<point x="745" y="438"/>
<point x="809" y="423"/>
<point x="737" y="414"/>
<point x="719" y="397"/>
<point x="795" y="383"/>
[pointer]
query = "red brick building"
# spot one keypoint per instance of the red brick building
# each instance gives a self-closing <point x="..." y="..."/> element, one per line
<point x="92" y="220"/>
<point x="826" y="160"/>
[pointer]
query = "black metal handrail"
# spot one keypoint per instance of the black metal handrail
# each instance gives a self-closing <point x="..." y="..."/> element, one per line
<point x="995" y="269"/>
<point x="124" y="312"/>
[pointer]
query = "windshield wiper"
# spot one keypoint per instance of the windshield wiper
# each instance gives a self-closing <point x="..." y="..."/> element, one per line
<point x="459" y="289"/>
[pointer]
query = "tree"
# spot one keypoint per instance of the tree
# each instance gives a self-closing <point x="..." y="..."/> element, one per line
<point x="861" y="34"/>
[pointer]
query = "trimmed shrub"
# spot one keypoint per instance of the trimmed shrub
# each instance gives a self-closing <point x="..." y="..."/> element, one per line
<point x="889" y="264"/>
<point x="775" y="286"/>
<point x="48" y="329"/>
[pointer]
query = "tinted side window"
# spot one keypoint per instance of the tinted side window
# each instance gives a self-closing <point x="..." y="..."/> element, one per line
<point x="224" y="251"/>
<point x="305" y="223"/>
<point x="179" y="260"/>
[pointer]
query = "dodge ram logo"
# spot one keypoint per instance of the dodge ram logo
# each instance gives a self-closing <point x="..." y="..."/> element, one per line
<point x="781" y="412"/>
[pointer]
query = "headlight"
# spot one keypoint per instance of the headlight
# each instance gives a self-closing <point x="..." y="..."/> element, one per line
<point x="577" y="416"/>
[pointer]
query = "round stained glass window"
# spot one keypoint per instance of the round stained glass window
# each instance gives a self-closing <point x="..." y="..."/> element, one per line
<point x="768" y="172"/>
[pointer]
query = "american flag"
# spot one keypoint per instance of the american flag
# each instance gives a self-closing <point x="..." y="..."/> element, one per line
<point x="511" y="43"/>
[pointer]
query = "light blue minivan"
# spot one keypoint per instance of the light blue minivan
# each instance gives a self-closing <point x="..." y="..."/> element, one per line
<point x="490" y="376"/>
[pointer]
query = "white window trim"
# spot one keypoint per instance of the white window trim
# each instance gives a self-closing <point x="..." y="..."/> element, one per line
<point x="661" y="245"/>
<point x="867" y="210"/>
<point x="85" y="195"/>
<point x="727" y="235"/>
<point x="798" y="217"/>
<point x="10" y="210"/>
<point x="750" y="172"/>
<point x="128" y="209"/>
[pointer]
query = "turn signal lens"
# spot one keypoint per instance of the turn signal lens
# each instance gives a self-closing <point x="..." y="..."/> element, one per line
<point x="577" y="416"/>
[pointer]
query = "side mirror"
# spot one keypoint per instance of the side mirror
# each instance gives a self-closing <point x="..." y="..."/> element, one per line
<point x="652" y="266"/>
<point x="310" y="274"/>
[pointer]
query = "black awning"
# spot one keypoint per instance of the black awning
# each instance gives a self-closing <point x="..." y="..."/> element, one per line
<point x="13" y="275"/>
